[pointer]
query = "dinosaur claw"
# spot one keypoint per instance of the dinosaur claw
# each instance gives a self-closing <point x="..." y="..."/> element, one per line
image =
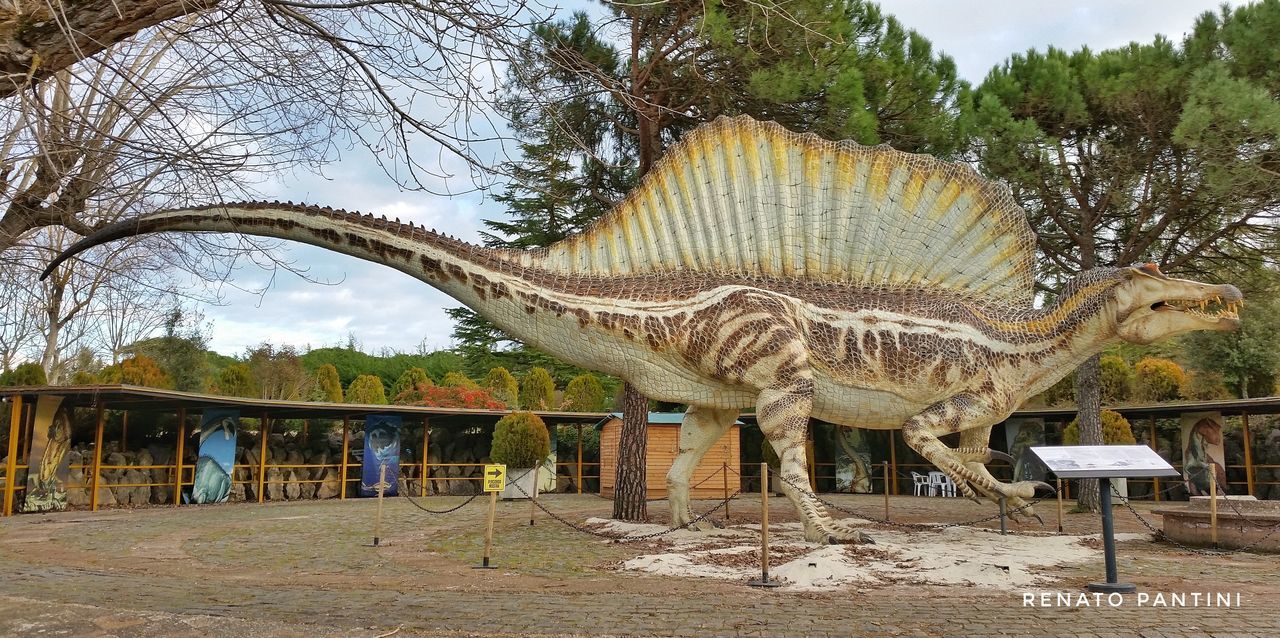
<point x="1041" y="485"/>
<point x="1038" y="519"/>
<point x="997" y="455"/>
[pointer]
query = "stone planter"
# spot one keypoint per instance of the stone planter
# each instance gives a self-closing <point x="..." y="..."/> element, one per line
<point x="522" y="476"/>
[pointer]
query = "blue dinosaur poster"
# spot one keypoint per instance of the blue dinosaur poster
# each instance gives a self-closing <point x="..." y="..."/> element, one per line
<point x="381" y="446"/>
<point x="217" y="456"/>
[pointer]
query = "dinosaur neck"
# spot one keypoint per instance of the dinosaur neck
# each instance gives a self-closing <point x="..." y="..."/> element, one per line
<point x="1079" y="325"/>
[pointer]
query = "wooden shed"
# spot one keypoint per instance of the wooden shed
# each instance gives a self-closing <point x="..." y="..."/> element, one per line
<point x="663" y="445"/>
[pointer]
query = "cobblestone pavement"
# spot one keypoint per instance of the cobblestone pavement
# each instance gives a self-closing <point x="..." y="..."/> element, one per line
<point x="303" y="569"/>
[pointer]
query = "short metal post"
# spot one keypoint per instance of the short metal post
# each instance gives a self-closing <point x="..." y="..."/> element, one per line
<point x="1059" y="505"/>
<point x="1004" y="516"/>
<point x="764" y="531"/>
<point x="886" y="490"/>
<point x="1109" y="544"/>
<point x="1213" y="506"/>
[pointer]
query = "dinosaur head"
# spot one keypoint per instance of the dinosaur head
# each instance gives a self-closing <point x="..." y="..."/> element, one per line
<point x="1150" y="306"/>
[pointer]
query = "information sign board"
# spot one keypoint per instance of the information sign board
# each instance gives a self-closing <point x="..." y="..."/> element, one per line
<point x="1103" y="461"/>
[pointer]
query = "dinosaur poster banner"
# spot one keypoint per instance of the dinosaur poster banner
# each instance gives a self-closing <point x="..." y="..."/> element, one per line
<point x="853" y="461"/>
<point x="1019" y="435"/>
<point x="218" y="429"/>
<point x="1202" y="452"/>
<point x="381" y="446"/>
<point x="48" y="471"/>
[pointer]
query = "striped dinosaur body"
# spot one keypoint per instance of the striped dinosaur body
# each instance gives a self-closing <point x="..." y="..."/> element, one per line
<point x="759" y="269"/>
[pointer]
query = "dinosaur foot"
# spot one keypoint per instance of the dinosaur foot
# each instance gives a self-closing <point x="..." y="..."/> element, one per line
<point x="836" y="534"/>
<point x="1016" y="496"/>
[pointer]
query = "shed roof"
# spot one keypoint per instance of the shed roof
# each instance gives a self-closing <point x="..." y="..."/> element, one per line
<point x="126" y="397"/>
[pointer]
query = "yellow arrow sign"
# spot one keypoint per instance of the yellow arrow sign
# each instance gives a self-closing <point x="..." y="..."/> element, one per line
<point x="495" y="478"/>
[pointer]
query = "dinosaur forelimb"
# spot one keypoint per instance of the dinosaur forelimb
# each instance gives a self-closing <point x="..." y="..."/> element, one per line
<point x="701" y="428"/>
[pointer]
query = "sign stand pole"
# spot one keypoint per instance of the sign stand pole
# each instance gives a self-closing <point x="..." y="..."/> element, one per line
<point x="1004" y="516"/>
<point x="494" y="480"/>
<point x="1109" y="545"/>
<point x="488" y="534"/>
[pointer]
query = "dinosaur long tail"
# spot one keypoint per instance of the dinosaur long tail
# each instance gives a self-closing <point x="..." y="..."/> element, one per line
<point x="406" y="247"/>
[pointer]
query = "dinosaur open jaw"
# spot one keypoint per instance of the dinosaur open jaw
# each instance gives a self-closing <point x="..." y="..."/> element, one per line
<point x="1209" y="309"/>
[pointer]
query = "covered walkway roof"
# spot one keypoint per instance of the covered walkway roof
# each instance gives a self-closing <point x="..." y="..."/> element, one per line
<point x="126" y="397"/>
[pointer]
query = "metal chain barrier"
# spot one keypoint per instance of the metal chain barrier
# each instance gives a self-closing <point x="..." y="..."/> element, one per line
<point x="404" y="491"/>
<point x="1160" y="535"/>
<point x="627" y="537"/>
<point x="916" y="526"/>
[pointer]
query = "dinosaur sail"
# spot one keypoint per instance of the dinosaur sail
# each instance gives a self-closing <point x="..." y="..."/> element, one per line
<point x="752" y="198"/>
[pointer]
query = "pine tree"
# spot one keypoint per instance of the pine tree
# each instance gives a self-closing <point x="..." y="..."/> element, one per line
<point x="503" y="386"/>
<point x="1145" y="153"/>
<point x="328" y="387"/>
<point x="537" y="390"/>
<point x="366" y="389"/>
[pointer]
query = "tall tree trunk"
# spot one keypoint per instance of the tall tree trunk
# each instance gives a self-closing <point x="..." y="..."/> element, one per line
<point x="630" y="486"/>
<point x="1089" y="420"/>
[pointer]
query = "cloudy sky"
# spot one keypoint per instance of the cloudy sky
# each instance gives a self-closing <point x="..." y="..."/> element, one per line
<point x="387" y="309"/>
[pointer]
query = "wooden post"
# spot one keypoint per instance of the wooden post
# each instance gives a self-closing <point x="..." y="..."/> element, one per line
<point x="488" y="532"/>
<point x="11" y="466"/>
<point x="265" y="430"/>
<point x="177" y="458"/>
<point x="426" y="440"/>
<point x="382" y="486"/>
<point x="97" y="458"/>
<point x="1059" y="506"/>
<point x="1213" y="505"/>
<point x="579" y="458"/>
<point x="533" y="498"/>
<point x="124" y="431"/>
<point x="306" y="427"/>
<point x="764" y="531"/>
<point x="725" y="469"/>
<point x="1066" y="489"/>
<point x="893" y="462"/>
<point x="812" y="458"/>
<point x="886" y="490"/>
<point x="1248" y="451"/>
<point x="342" y="471"/>
<point x="1151" y="440"/>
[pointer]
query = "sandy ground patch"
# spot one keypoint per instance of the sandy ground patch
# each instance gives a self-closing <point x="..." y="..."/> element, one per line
<point x="948" y="556"/>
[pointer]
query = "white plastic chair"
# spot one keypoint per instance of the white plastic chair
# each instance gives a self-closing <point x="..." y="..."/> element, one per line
<point x="921" y="483"/>
<point x="942" y="484"/>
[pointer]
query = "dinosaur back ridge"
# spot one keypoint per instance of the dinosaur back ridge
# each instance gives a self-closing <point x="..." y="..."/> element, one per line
<point x="739" y="196"/>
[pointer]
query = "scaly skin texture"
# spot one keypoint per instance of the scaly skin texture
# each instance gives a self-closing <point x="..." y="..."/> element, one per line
<point x="929" y="362"/>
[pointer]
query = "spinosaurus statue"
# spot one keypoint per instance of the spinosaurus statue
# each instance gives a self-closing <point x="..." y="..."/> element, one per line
<point x="755" y="267"/>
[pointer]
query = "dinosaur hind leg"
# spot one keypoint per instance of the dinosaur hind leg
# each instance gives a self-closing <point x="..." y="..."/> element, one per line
<point x="701" y="428"/>
<point x="784" y="419"/>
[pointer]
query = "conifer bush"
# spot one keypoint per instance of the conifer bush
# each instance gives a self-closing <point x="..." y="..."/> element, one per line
<point x="1115" y="430"/>
<point x="520" y="440"/>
